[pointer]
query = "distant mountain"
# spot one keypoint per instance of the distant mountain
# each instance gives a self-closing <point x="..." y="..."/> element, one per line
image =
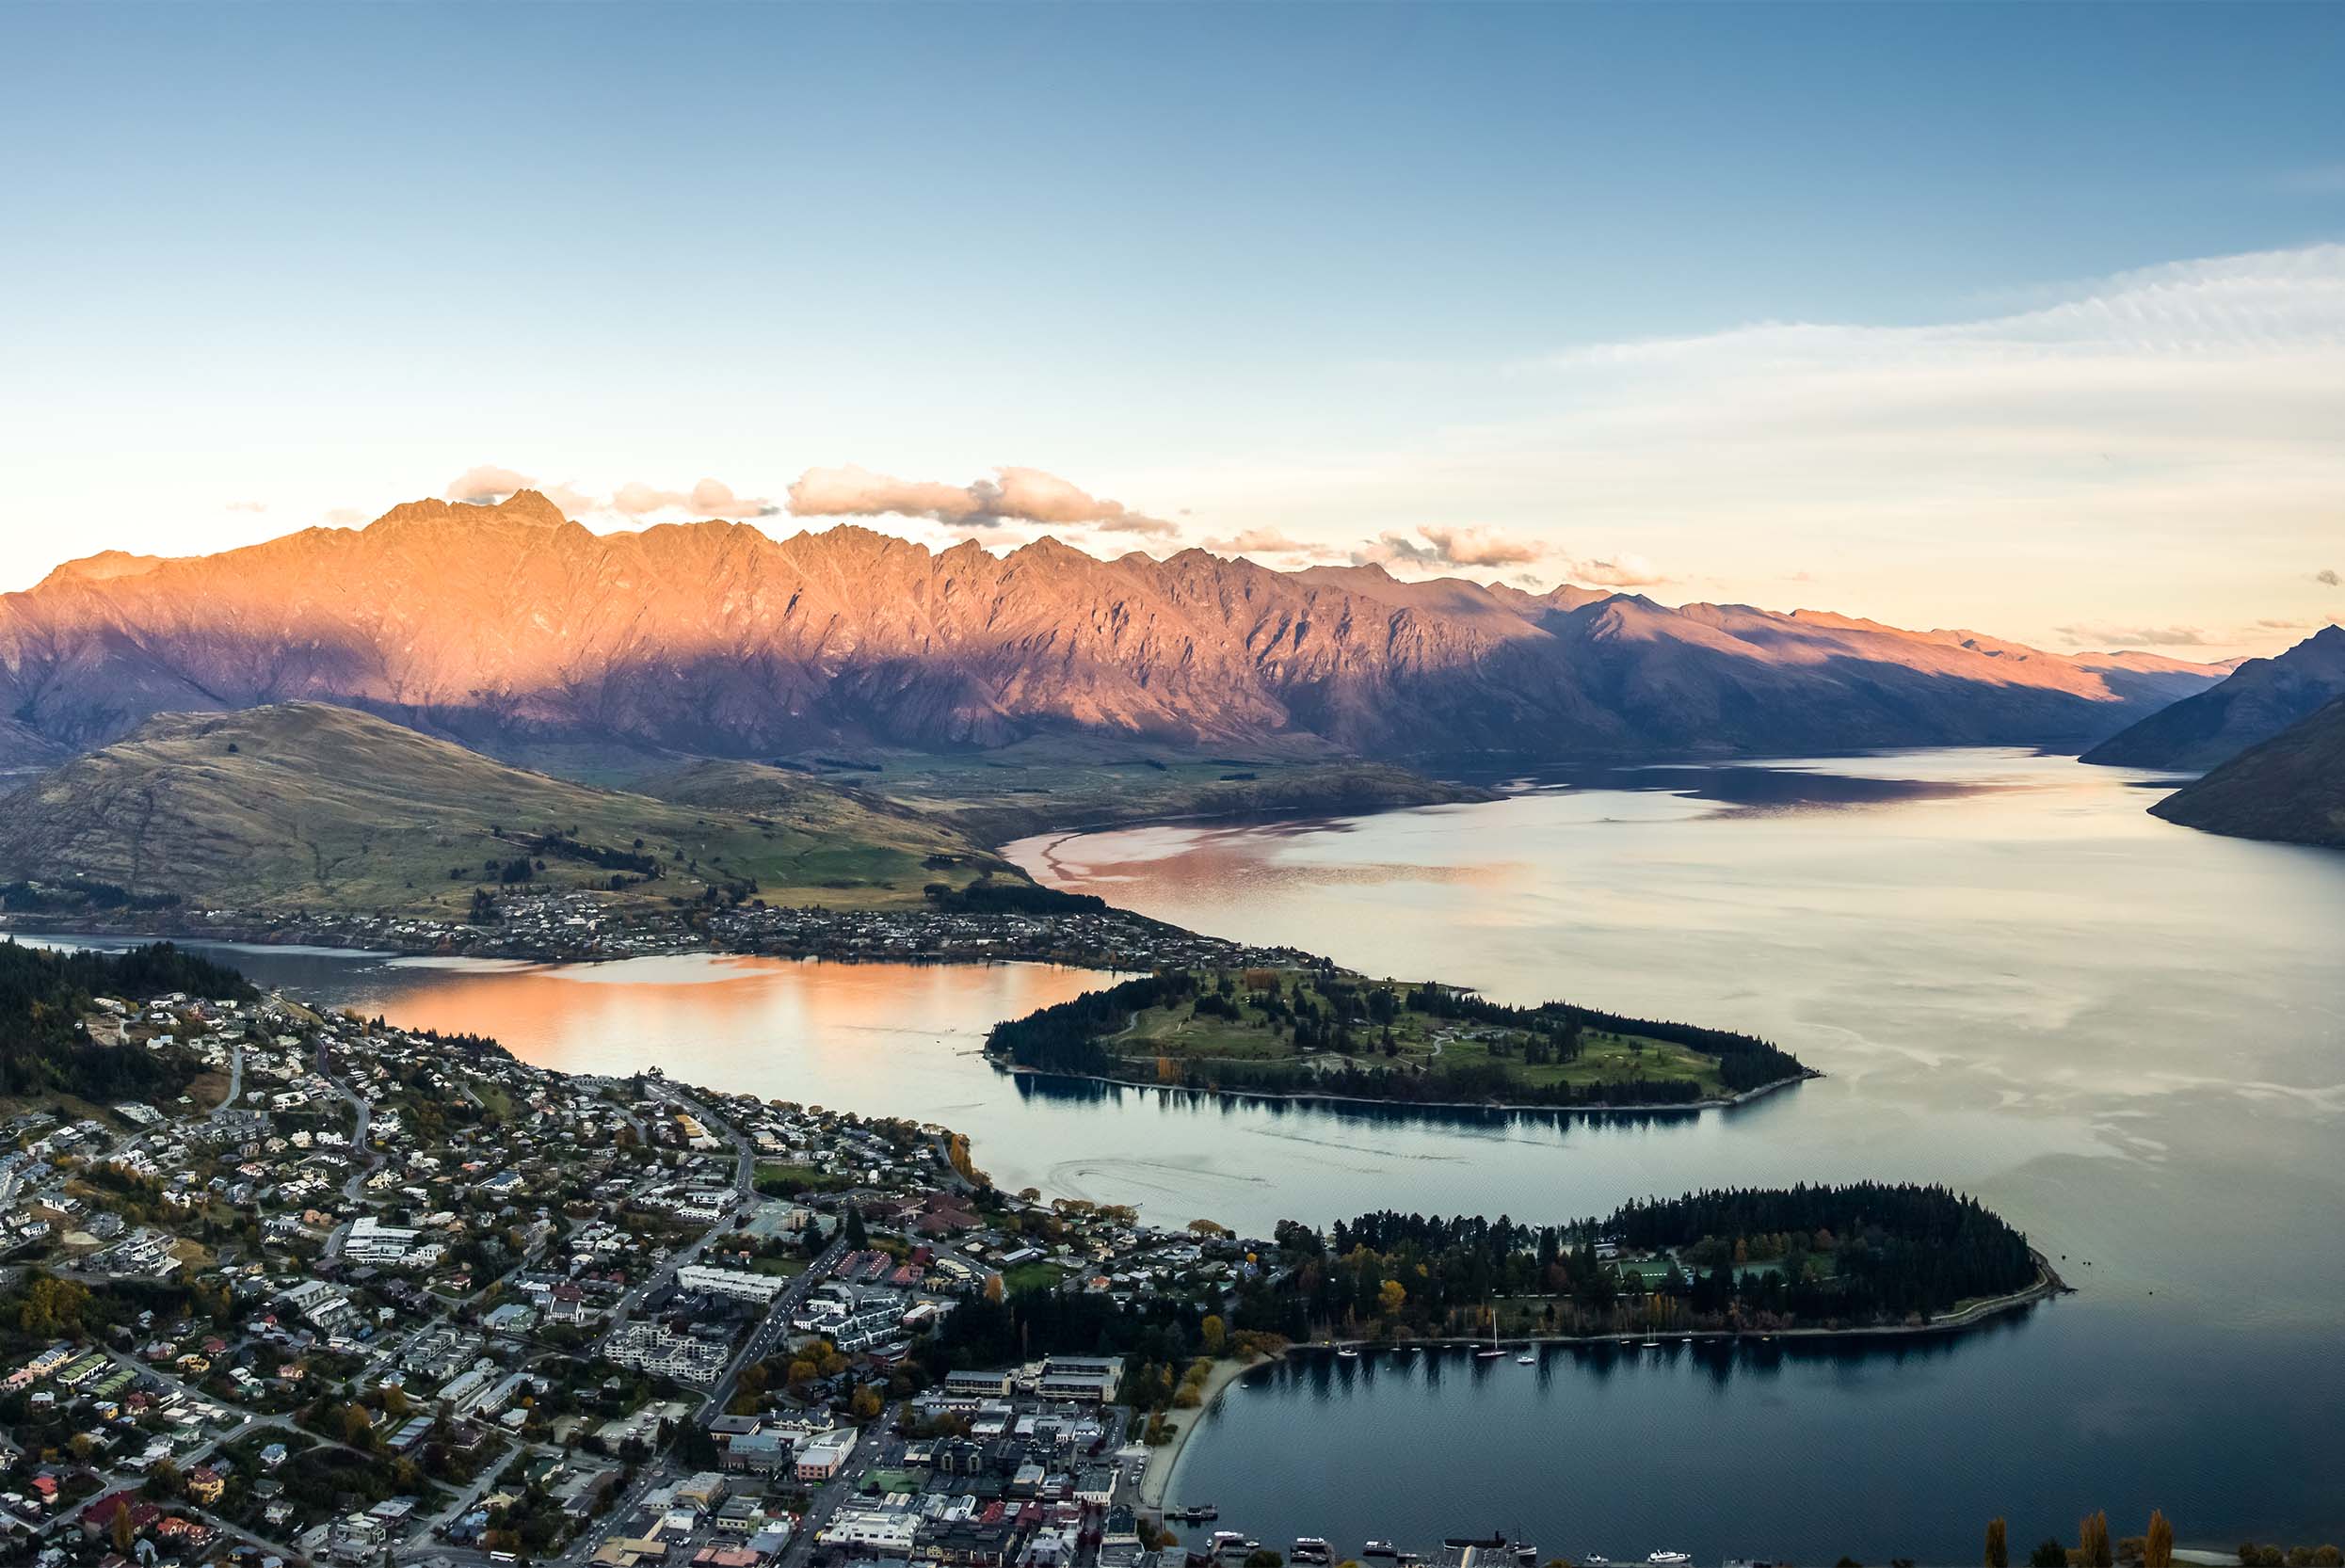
<point x="2260" y="698"/>
<point x="515" y="630"/>
<point x="311" y="806"/>
<point x="2290" y="787"/>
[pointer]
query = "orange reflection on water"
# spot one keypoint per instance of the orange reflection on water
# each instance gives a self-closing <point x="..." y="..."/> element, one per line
<point x="779" y="1028"/>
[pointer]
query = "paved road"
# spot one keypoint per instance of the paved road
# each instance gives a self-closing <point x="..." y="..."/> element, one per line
<point x="774" y="1327"/>
<point x="235" y="1082"/>
<point x="834" y="1491"/>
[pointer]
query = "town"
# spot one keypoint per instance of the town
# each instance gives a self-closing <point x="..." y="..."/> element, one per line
<point x="365" y="1295"/>
<point x="572" y="926"/>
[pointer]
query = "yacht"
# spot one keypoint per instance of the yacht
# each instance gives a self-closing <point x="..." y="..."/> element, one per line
<point x="1311" y="1548"/>
<point x="1492" y="1353"/>
<point x="1526" y="1359"/>
<point x="1379" y="1549"/>
<point x="1669" y="1560"/>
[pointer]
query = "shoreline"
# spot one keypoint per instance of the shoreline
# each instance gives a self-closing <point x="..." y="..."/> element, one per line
<point x="1643" y="1108"/>
<point x="1165" y="1464"/>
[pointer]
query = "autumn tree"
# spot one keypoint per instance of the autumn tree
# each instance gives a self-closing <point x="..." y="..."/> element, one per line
<point x="2093" y="1541"/>
<point x="1214" y="1333"/>
<point x="2158" y="1549"/>
<point x="1998" y="1544"/>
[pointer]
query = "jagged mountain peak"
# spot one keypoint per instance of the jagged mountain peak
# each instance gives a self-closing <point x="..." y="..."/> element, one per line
<point x="508" y="624"/>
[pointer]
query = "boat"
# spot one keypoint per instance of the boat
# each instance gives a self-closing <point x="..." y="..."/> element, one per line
<point x="1526" y="1554"/>
<point x="1490" y="1355"/>
<point x="1311" y="1548"/>
<point x="1379" y="1549"/>
<point x="1596" y="1560"/>
<point x="1196" y="1513"/>
<point x="1669" y="1560"/>
<point x="1347" y="1353"/>
<point x="1526" y="1359"/>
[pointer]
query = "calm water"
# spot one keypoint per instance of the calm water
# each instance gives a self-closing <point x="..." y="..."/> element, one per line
<point x="2127" y="1037"/>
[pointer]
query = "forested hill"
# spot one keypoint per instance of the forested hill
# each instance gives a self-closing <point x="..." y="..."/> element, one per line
<point x="44" y="994"/>
<point x="1860" y="1255"/>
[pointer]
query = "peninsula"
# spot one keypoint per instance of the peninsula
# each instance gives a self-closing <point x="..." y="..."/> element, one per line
<point x="1317" y="1032"/>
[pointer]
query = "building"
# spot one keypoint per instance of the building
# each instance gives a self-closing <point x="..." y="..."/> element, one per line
<point x="733" y="1284"/>
<point x="1090" y="1378"/>
<point x="824" y="1457"/>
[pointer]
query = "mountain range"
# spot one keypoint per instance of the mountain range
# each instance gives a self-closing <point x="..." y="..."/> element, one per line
<point x="2260" y="700"/>
<point x="507" y="627"/>
<point x="2290" y="787"/>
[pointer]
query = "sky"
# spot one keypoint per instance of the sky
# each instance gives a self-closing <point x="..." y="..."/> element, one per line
<point x="2029" y="319"/>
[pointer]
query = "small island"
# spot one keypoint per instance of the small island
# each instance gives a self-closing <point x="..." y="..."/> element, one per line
<point x="1320" y="1033"/>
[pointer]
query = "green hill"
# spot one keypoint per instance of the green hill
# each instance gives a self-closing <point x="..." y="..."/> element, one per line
<point x="311" y="806"/>
<point x="2291" y="787"/>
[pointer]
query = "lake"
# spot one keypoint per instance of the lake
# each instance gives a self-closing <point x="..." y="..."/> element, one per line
<point x="2126" y="1037"/>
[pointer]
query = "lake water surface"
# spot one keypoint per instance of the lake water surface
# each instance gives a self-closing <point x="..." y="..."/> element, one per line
<point x="2126" y="1037"/>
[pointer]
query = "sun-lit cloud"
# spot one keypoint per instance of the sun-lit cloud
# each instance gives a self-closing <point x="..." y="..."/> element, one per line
<point x="255" y="507"/>
<point x="2096" y="634"/>
<point x="1625" y="570"/>
<point x="710" y="498"/>
<point x="486" y="482"/>
<point x="1480" y="547"/>
<point x="1266" y="541"/>
<point x="1014" y="495"/>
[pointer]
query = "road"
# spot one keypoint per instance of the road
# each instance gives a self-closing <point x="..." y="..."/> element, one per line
<point x="774" y="1327"/>
<point x="235" y="1082"/>
<point x="834" y="1491"/>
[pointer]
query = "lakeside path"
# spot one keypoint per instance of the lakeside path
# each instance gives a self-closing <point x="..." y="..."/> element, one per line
<point x="1166" y="1462"/>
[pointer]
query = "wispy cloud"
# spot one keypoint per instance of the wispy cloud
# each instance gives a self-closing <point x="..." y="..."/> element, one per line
<point x="2096" y="634"/>
<point x="1013" y="495"/>
<point x="255" y="507"/>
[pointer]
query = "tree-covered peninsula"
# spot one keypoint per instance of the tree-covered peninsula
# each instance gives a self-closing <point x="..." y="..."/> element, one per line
<point x="1319" y="1032"/>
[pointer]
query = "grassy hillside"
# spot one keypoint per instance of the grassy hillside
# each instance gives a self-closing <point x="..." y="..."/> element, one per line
<point x="310" y="806"/>
<point x="2291" y="787"/>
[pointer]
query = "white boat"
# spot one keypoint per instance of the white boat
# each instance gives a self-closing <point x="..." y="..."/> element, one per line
<point x="1347" y="1353"/>
<point x="1490" y="1355"/>
<point x="1526" y="1359"/>
<point x="1651" y="1344"/>
<point x="1669" y="1560"/>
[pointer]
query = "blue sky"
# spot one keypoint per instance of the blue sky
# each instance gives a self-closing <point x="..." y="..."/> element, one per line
<point x="2026" y="317"/>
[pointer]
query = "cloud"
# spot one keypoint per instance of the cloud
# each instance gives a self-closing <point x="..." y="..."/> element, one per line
<point x="2098" y="634"/>
<point x="710" y="498"/>
<point x="486" y="484"/>
<point x="248" y="506"/>
<point x="2327" y="577"/>
<point x="1013" y="495"/>
<point x="345" y="516"/>
<point x="1450" y="545"/>
<point x="1621" y="572"/>
<point x="1477" y="547"/>
<point x="1266" y="541"/>
<point x="570" y="499"/>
